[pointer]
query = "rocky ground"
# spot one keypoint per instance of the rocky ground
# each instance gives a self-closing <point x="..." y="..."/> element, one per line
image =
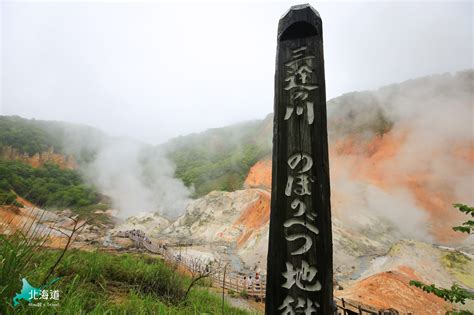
<point x="373" y="259"/>
<point x="56" y="225"/>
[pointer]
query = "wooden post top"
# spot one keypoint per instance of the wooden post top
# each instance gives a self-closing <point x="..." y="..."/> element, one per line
<point x="299" y="21"/>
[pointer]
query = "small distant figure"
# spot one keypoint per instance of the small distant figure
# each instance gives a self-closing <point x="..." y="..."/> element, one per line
<point x="249" y="282"/>
<point x="257" y="281"/>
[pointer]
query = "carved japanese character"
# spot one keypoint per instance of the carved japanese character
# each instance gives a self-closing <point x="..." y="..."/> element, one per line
<point x="300" y="71"/>
<point x="307" y="306"/>
<point x="300" y="205"/>
<point x="294" y="221"/>
<point x="303" y="306"/>
<point x="306" y="246"/>
<point x="303" y="277"/>
<point x="299" y="111"/>
<point x="298" y="52"/>
<point x="297" y="203"/>
<point x="296" y="158"/>
<point x="302" y="183"/>
<point x="286" y="308"/>
<point x="299" y="78"/>
<point x="299" y="84"/>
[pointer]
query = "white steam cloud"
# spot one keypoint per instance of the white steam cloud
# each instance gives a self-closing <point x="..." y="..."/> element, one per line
<point x="405" y="153"/>
<point x="138" y="179"/>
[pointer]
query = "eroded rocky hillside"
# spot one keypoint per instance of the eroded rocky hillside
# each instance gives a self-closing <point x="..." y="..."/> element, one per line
<point x="399" y="157"/>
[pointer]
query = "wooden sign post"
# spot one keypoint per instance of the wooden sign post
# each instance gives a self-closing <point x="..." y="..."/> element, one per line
<point x="299" y="275"/>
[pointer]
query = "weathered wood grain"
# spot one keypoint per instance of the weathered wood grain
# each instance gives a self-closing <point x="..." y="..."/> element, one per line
<point x="300" y="27"/>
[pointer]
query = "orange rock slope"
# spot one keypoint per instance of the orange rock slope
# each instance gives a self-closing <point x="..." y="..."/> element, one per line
<point x="254" y="217"/>
<point x="392" y="290"/>
<point x="260" y="175"/>
<point x="392" y="163"/>
<point x="27" y="220"/>
<point x="431" y="177"/>
<point x="386" y="163"/>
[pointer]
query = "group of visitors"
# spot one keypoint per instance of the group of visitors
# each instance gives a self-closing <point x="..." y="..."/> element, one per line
<point x="162" y="246"/>
<point x="252" y="282"/>
<point x="141" y="235"/>
<point x="137" y="233"/>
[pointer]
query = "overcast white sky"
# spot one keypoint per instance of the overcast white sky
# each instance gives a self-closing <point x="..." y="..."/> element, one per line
<point x="153" y="71"/>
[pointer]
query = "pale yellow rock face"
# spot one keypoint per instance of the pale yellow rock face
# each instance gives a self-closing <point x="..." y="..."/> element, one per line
<point x="224" y="216"/>
<point x="150" y="223"/>
<point x="39" y="159"/>
<point x="123" y="242"/>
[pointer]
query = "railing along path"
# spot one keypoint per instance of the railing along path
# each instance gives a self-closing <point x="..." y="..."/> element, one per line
<point x="234" y="281"/>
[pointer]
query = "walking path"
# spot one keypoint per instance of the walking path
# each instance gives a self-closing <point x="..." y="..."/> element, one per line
<point x="222" y="277"/>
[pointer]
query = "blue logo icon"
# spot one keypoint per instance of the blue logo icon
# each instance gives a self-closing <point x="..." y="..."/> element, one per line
<point x="29" y="293"/>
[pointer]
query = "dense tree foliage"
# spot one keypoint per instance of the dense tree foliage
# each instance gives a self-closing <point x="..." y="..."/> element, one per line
<point x="48" y="186"/>
<point x="468" y="226"/>
<point x="26" y="136"/>
<point x="455" y="294"/>
<point x="31" y="136"/>
<point x="219" y="159"/>
<point x="8" y="197"/>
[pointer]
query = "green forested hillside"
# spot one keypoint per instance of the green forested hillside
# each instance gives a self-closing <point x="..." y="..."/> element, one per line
<point x="48" y="186"/>
<point x="27" y="136"/>
<point x="219" y="159"/>
<point x="32" y="136"/>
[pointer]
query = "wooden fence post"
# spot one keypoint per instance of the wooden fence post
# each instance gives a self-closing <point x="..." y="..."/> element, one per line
<point x="223" y="287"/>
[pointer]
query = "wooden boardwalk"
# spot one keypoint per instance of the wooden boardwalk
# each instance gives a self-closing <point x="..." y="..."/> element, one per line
<point x="238" y="283"/>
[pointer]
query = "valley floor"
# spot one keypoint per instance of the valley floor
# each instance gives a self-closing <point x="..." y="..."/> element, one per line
<point x="107" y="272"/>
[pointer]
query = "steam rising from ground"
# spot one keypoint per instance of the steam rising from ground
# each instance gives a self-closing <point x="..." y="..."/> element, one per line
<point x="406" y="153"/>
<point x="403" y="153"/>
<point x="138" y="178"/>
